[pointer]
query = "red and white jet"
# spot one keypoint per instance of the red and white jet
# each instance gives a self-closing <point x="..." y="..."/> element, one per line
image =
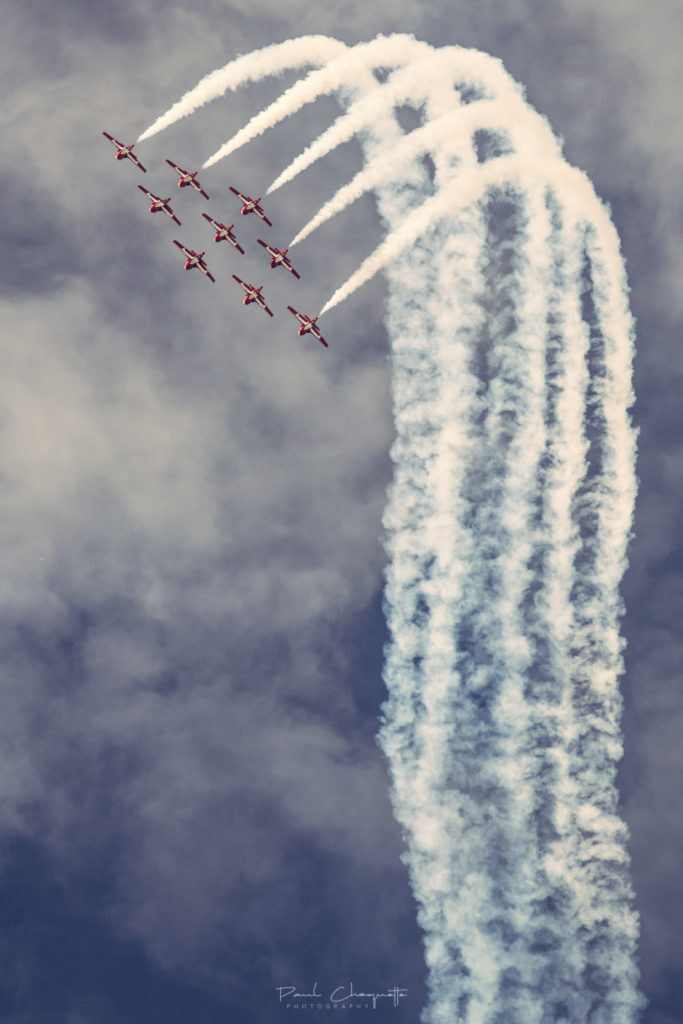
<point x="194" y="259"/>
<point x="223" y="231"/>
<point x="308" y="325"/>
<point x="251" y="205"/>
<point x="125" y="152"/>
<point x="187" y="178"/>
<point x="279" y="257"/>
<point x="253" y="295"/>
<point x="159" y="204"/>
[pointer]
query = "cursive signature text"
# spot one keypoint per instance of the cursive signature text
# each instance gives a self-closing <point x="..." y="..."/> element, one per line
<point x="342" y="994"/>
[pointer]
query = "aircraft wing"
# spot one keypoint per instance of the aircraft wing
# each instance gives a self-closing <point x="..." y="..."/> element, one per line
<point x="261" y="302"/>
<point x="148" y="193"/>
<point x="300" y="317"/>
<point x="245" y="199"/>
<point x="132" y="156"/>
<point x="204" y="270"/>
<point x="175" y="167"/>
<point x="237" y="245"/>
<point x="198" y="188"/>
<point x="307" y="321"/>
<point x="288" y="266"/>
<point x="241" y="283"/>
<point x="188" y="252"/>
<point x="173" y="217"/>
<point x="269" y="248"/>
<point x="213" y="222"/>
<point x="259" y="213"/>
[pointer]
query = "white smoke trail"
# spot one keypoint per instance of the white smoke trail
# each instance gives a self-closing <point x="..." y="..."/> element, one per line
<point x="344" y="71"/>
<point x="416" y="83"/>
<point x="352" y="66"/>
<point x="502" y="172"/>
<point x="251" y="67"/>
<point x="407" y="83"/>
<point x="507" y="524"/>
<point x="419" y="779"/>
<point x="602" y="511"/>
<point x="456" y="128"/>
<point x="381" y="169"/>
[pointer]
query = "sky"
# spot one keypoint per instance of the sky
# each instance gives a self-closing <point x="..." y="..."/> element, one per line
<point x="194" y="806"/>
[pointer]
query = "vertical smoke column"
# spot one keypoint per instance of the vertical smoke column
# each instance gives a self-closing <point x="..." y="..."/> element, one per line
<point x="501" y="726"/>
<point x="507" y="521"/>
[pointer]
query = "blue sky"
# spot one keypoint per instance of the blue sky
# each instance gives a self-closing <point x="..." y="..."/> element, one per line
<point x="195" y="809"/>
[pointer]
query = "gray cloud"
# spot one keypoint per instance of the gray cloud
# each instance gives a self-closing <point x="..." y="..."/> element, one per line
<point x="192" y="499"/>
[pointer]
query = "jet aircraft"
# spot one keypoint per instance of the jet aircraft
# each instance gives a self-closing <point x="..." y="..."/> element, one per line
<point x="125" y="152"/>
<point x="223" y="231"/>
<point x="308" y="325"/>
<point x="194" y="259"/>
<point x="187" y="178"/>
<point x="159" y="204"/>
<point x="251" y="205"/>
<point x="279" y="257"/>
<point x="253" y="295"/>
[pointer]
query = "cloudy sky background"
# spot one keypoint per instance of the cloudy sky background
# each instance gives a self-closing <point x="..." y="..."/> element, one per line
<point x="194" y="809"/>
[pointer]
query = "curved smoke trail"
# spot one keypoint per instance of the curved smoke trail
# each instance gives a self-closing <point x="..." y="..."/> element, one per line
<point x="507" y="521"/>
<point x="451" y="127"/>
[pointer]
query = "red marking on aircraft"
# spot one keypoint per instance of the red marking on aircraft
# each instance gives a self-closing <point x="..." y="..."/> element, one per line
<point x="280" y="258"/>
<point x="187" y="178"/>
<point x="251" y="205"/>
<point x="253" y="295"/>
<point x="125" y="152"/>
<point x="159" y="204"/>
<point x="194" y="259"/>
<point x="223" y="231"/>
<point x="308" y="325"/>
